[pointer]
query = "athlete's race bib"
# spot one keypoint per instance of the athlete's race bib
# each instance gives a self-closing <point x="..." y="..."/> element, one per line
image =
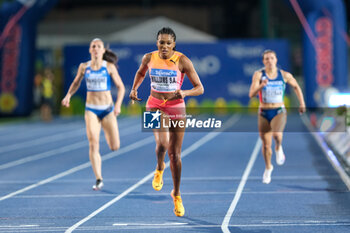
<point x="163" y="80"/>
<point x="273" y="92"/>
<point x="96" y="82"/>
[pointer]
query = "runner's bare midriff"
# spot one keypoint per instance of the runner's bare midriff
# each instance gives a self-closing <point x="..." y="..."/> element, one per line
<point x="99" y="97"/>
<point x="270" y="105"/>
<point x="163" y="96"/>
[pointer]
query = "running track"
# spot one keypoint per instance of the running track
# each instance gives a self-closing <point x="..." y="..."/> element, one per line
<point x="46" y="182"/>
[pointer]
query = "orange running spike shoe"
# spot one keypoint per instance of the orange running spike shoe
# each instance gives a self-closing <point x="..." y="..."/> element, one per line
<point x="179" y="209"/>
<point x="157" y="182"/>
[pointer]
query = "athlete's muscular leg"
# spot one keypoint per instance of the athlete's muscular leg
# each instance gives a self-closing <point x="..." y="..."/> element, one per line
<point x="174" y="152"/>
<point x="277" y="124"/>
<point x="93" y="129"/>
<point x="266" y="138"/>
<point x="162" y="143"/>
<point x="110" y="127"/>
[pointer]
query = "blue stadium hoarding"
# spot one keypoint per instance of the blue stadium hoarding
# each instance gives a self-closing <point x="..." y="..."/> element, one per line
<point x="324" y="47"/>
<point x="224" y="67"/>
<point x="18" y="22"/>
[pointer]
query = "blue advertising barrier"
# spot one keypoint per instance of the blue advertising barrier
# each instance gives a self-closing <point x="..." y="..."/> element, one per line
<point x="325" y="49"/>
<point x="18" y="22"/>
<point x="225" y="68"/>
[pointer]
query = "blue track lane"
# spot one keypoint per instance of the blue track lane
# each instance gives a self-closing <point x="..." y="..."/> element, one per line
<point x="46" y="182"/>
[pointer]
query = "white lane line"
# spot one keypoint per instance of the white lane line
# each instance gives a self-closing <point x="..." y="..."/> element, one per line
<point x="110" y="155"/>
<point x="214" y="178"/>
<point x="42" y="140"/>
<point x="114" y="228"/>
<point x="56" y="137"/>
<point x="36" y="131"/>
<point x="297" y="222"/>
<point x="226" y="221"/>
<point x="60" y="150"/>
<point x="14" y="129"/>
<point x="17" y="226"/>
<point x="42" y="155"/>
<point x="189" y="150"/>
<point x="182" y="193"/>
<point x="207" y="226"/>
<point x="328" y="152"/>
<point x="151" y="224"/>
<point x="290" y="224"/>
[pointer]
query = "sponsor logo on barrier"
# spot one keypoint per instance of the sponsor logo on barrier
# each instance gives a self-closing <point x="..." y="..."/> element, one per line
<point x="240" y="51"/>
<point x="207" y="65"/>
<point x="123" y="53"/>
<point x="324" y="52"/>
<point x="238" y="89"/>
<point x="8" y="102"/>
<point x="10" y="63"/>
<point x="250" y="68"/>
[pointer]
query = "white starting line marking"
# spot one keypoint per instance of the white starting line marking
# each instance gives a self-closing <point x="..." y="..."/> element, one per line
<point x="151" y="224"/>
<point x="299" y="222"/>
<point x="295" y="224"/>
<point x="13" y="226"/>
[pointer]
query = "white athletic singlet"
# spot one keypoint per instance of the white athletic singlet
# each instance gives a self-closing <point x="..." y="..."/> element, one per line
<point x="273" y="92"/>
<point x="97" y="80"/>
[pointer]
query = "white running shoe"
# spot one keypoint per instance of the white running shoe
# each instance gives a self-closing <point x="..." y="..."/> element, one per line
<point x="280" y="157"/>
<point x="98" y="185"/>
<point x="267" y="175"/>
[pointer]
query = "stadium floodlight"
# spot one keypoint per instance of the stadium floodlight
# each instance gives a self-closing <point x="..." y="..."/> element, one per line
<point x="339" y="99"/>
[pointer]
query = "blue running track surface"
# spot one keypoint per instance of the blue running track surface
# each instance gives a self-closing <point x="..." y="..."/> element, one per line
<point x="46" y="182"/>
